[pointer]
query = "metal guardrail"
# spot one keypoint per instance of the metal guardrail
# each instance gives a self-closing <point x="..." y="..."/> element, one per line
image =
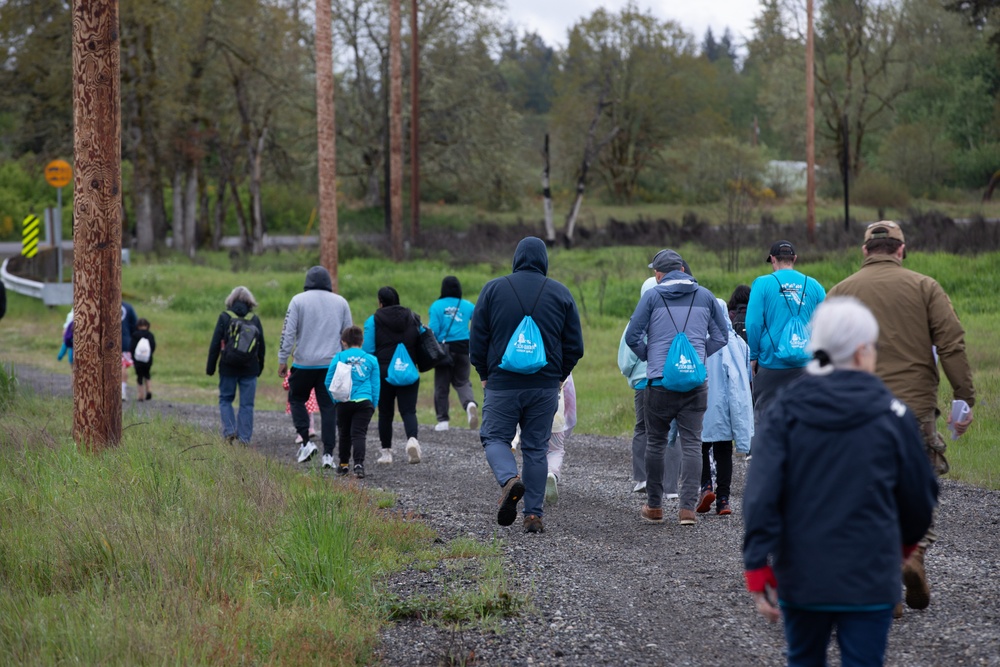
<point x="51" y="294"/>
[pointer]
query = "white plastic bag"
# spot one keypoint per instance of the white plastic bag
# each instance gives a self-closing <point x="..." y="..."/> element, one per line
<point x="341" y="384"/>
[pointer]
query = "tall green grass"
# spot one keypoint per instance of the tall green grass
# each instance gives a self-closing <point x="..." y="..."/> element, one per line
<point x="183" y="300"/>
<point x="175" y="548"/>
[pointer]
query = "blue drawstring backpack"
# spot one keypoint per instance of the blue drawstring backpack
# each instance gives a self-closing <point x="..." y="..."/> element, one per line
<point x="792" y="347"/>
<point x="402" y="371"/>
<point x="525" y="353"/>
<point x="683" y="370"/>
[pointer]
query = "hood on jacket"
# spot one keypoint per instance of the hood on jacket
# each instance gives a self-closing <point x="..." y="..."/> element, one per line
<point x="451" y="288"/>
<point x="724" y="307"/>
<point x="839" y="401"/>
<point x="318" y="278"/>
<point x="677" y="284"/>
<point x="531" y="255"/>
<point x="240" y="308"/>
<point x="394" y="318"/>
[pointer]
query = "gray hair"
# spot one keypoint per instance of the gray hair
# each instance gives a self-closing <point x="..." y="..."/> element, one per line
<point x="840" y="325"/>
<point x="241" y="293"/>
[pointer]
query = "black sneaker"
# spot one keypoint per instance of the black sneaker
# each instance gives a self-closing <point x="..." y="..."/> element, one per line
<point x="343" y="469"/>
<point x="722" y="506"/>
<point x="511" y="494"/>
<point x="359" y="471"/>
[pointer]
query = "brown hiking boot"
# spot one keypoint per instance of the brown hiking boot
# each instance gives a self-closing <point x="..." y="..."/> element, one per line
<point x="918" y="593"/>
<point x="897" y="611"/>
<point x="705" y="500"/>
<point x="687" y="518"/>
<point x="533" y="524"/>
<point x="512" y="492"/>
<point x="651" y="514"/>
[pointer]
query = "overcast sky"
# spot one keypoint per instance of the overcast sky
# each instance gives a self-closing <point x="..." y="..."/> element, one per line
<point x="552" y="18"/>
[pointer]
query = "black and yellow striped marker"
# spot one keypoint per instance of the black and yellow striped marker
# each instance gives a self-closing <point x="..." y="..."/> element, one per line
<point x="29" y="236"/>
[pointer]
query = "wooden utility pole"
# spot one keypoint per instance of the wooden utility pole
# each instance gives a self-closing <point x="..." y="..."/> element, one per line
<point x="395" y="132"/>
<point x="97" y="230"/>
<point x="810" y="126"/>
<point x="326" y="139"/>
<point x="414" y="123"/>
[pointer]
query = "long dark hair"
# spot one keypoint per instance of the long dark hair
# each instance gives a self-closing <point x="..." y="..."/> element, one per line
<point x="740" y="297"/>
<point x="451" y="288"/>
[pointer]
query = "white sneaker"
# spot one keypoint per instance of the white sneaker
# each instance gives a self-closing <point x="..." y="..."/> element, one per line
<point x="307" y="451"/>
<point x="670" y="496"/>
<point x="441" y="426"/>
<point x="413" y="450"/>
<point x="639" y="487"/>
<point x="328" y="460"/>
<point x="473" y="412"/>
<point x="385" y="456"/>
<point x="551" y="489"/>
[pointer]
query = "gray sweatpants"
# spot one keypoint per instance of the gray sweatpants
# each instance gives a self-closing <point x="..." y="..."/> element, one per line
<point x="688" y="408"/>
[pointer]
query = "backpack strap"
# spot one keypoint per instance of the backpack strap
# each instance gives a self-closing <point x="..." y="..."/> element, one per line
<point x="523" y="312"/>
<point x="458" y="304"/>
<point x="682" y="329"/>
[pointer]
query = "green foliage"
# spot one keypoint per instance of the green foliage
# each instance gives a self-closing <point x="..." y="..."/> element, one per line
<point x="880" y="190"/>
<point x="917" y="156"/>
<point x="24" y="191"/>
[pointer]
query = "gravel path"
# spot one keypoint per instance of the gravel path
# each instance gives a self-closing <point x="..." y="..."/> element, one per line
<point x="607" y="589"/>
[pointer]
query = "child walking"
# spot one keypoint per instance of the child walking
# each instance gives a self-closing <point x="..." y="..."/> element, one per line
<point x="312" y="407"/>
<point x="355" y="413"/>
<point x="143" y="347"/>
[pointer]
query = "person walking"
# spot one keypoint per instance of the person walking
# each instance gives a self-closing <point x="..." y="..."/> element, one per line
<point x="917" y="328"/>
<point x="238" y="369"/>
<point x="518" y="394"/>
<point x="838" y="490"/>
<point x="728" y="418"/>
<point x="311" y="337"/>
<point x="635" y="371"/>
<point x="393" y="325"/>
<point x="677" y="305"/>
<point x="562" y="429"/>
<point x="449" y="319"/>
<point x="142" y="356"/>
<point x="737" y="307"/>
<point x="354" y="413"/>
<point x="129" y="321"/>
<point x="778" y="353"/>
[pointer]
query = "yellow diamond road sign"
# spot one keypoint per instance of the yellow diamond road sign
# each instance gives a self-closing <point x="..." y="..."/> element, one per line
<point x="29" y="236"/>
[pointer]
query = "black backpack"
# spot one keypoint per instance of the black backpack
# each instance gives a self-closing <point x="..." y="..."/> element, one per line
<point x="239" y="346"/>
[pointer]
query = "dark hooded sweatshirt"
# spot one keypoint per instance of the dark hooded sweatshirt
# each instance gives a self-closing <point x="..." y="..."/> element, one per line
<point x="839" y="483"/>
<point x="394" y="325"/>
<point x="502" y="305"/>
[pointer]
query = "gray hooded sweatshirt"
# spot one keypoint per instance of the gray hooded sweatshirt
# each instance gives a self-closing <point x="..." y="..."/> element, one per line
<point x="314" y="321"/>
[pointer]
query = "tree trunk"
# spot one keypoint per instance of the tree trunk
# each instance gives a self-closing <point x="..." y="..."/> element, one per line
<point x="395" y="132"/>
<point x="219" y="212"/>
<point x="178" y="212"/>
<point x="241" y="218"/>
<point x="326" y="131"/>
<point x="256" y="204"/>
<point x="190" y="210"/>
<point x="97" y="296"/>
<point x="550" y="228"/>
<point x="414" y="124"/>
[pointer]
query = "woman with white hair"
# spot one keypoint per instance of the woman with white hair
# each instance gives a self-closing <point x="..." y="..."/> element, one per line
<point x="840" y="488"/>
<point x="238" y="349"/>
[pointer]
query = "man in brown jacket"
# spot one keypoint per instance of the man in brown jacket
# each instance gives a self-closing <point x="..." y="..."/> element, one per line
<point x="917" y="328"/>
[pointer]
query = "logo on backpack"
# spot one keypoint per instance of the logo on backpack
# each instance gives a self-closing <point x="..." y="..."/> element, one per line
<point x="793" y="342"/>
<point x="683" y="369"/>
<point x="239" y="346"/>
<point x="143" y="351"/>
<point x="525" y="351"/>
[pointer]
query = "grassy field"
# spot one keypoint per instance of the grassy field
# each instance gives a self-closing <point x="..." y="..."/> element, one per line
<point x="175" y="549"/>
<point x="183" y="300"/>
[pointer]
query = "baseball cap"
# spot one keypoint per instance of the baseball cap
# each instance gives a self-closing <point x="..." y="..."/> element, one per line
<point x="885" y="229"/>
<point x="780" y="249"/>
<point x="666" y="261"/>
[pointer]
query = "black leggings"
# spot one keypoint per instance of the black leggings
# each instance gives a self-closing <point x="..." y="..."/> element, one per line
<point x="389" y="395"/>
<point x="723" y="452"/>
<point x="353" y="418"/>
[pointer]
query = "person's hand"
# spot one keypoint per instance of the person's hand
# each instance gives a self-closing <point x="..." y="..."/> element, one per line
<point x="753" y="367"/>
<point x="766" y="607"/>
<point x="282" y="370"/>
<point x="962" y="426"/>
<point x="484" y="384"/>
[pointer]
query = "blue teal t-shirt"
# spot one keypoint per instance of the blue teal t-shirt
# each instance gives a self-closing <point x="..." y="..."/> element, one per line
<point x="365" y="383"/>
<point x="450" y="319"/>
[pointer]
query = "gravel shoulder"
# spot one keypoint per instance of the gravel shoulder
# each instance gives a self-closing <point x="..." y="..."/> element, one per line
<point x="605" y="588"/>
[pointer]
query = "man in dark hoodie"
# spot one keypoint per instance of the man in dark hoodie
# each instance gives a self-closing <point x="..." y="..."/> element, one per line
<point x="512" y="398"/>
<point x="677" y="303"/>
<point x="311" y="334"/>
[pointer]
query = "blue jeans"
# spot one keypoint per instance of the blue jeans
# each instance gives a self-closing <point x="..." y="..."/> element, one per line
<point x="861" y="635"/>
<point x="533" y="409"/>
<point x="242" y="425"/>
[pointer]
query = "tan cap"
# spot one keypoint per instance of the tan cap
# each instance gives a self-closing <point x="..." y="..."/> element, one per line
<point x="885" y="229"/>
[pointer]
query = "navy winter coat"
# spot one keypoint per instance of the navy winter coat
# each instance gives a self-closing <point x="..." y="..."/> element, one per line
<point x="502" y="305"/>
<point x="838" y="484"/>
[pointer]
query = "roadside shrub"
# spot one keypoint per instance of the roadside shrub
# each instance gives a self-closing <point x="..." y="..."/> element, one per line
<point x="878" y="189"/>
<point x="917" y="155"/>
<point x="974" y="168"/>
